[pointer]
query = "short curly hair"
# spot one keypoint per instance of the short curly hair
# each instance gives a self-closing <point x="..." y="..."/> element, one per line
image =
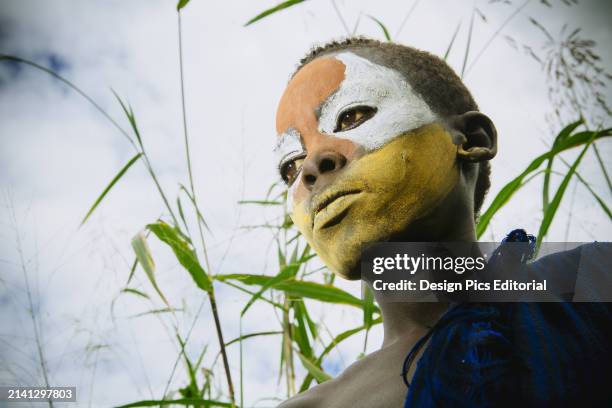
<point x="430" y="76"/>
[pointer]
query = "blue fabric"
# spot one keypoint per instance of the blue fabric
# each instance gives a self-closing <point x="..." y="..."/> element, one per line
<point x="516" y="354"/>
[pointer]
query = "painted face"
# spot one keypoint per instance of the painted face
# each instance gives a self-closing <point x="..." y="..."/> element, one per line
<point x="363" y="156"/>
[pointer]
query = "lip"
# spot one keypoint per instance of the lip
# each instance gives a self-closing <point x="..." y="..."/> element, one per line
<point x="332" y="207"/>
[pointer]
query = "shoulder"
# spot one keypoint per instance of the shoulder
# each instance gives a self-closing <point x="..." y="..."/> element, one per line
<point x="556" y="253"/>
<point x="313" y="398"/>
<point x="299" y="401"/>
<point x="579" y="274"/>
<point x="373" y="381"/>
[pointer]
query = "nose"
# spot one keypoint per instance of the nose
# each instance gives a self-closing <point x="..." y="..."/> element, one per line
<point x="321" y="167"/>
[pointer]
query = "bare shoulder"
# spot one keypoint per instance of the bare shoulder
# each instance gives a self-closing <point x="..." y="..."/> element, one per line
<point x="312" y="398"/>
<point x="372" y="382"/>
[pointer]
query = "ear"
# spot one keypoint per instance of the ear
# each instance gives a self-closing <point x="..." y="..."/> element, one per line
<point x="475" y="136"/>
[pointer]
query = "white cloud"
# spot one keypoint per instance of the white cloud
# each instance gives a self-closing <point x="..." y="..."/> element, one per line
<point x="58" y="154"/>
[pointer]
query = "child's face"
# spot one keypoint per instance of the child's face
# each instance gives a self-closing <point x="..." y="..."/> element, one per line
<point x="363" y="154"/>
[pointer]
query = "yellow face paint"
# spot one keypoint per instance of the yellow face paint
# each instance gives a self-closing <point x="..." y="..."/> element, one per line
<point x="380" y="195"/>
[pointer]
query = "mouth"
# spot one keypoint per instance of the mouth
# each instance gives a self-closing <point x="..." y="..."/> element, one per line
<point x="331" y="208"/>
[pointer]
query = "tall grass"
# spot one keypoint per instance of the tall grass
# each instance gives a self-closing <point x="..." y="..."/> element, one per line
<point x="33" y="311"/>
<point x="290" y="287"/>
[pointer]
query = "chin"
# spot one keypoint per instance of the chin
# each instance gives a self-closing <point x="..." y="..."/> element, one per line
<point x="339" y="246"/>
<point x="346" y="266"/>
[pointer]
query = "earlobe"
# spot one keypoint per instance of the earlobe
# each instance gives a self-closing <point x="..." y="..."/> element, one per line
<point x="475" y="136"/>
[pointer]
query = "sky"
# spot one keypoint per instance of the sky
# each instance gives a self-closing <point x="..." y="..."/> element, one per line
<point x="58" y="153"/>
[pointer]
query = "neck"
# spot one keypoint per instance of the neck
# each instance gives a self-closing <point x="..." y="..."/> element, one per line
<point x="407" y="321"/>
<point x="450" y="222"/>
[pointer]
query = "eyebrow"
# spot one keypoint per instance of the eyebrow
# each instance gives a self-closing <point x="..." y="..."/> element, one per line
<point x="290" y="141"/>
<point x="318" y="111"/>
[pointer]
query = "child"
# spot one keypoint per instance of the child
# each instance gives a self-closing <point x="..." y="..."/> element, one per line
<point x="382" y="142"/>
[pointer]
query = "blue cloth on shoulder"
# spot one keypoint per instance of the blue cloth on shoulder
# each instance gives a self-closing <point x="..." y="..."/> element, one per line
<point x="516" y="354"/>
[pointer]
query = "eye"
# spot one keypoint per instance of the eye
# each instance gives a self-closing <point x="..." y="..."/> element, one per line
<point x="289" y="169"/>
<point x="353" y="117"/>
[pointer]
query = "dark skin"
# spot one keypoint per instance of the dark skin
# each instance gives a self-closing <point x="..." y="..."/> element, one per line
<point x="375" y="380"/>
<point x="452" y="220"/>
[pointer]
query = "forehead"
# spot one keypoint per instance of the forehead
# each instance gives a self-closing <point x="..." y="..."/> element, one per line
<point x="307" y="90"/>
<point x="325" y="87"/>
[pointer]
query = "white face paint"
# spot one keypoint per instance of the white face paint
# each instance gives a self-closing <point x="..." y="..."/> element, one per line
<point x="288" y="146"/>
<point x="399" y="108"/>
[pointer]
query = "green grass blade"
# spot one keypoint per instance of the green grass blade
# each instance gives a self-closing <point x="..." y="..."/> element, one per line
<point x="554" y="204"/>
<point x="135" y="292"/>
<point x="181" y="4"/>
<point x="132" y="271"/>
<point x="602" y="204"/>
<point x="312" y="290"/>
<point x="260" y="202"/>
<point x="468" y="44"/>
<point x="110" y="186"/>
<point x="143" y="255"/>
<point x="563" y="134"/>
<point x="368" y="307"/>
<point x="158" y="311"/>
<point x="200" y="358"/>
<point x="311" y="324"/>
<point x="192" y="389"/>
<point x="183" y="253"/>
<point x="603" y="167"/>
<point x="248" y="336"/>
<point x="195" y="206"/>
<point x="135" y="264"/>
<point x="298" y="288"/>
<point x="334" y="343"/>
<point x="240" y="288"/>
<point x="129" y="113"/>
<point x="382" y="27"/>
<point x="368" y="313"/>
<point x="282" y="261"/>
<point x="317" y="291"/>
<point x="197" y="402"/>
<point x="181" y="213"/>
<point x="318" y="374"/>
<point x="272" y="187"/>
<point x="495" y="34"/>
<point x="278" y="7"/>
<point x="293" y="257"/>
<point x="287" y="272"/>
<point x="513" y="186"/>
<point x="300" y="335"/>
<point x="406" y="18"/>
<point x="452" y="41"/>
<point x="132" y="119"/>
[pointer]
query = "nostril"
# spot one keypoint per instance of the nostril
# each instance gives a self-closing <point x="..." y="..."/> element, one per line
<point x="309" y="179"/>
<point x="326" y="165"/>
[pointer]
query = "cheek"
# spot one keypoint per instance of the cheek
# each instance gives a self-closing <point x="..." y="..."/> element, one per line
<point x="410" y="175"/>
<point x="296" y="194"/>
<point x="431" y="169"/>
<point x="296" y="205"/>
<point x="302" y="221"/>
